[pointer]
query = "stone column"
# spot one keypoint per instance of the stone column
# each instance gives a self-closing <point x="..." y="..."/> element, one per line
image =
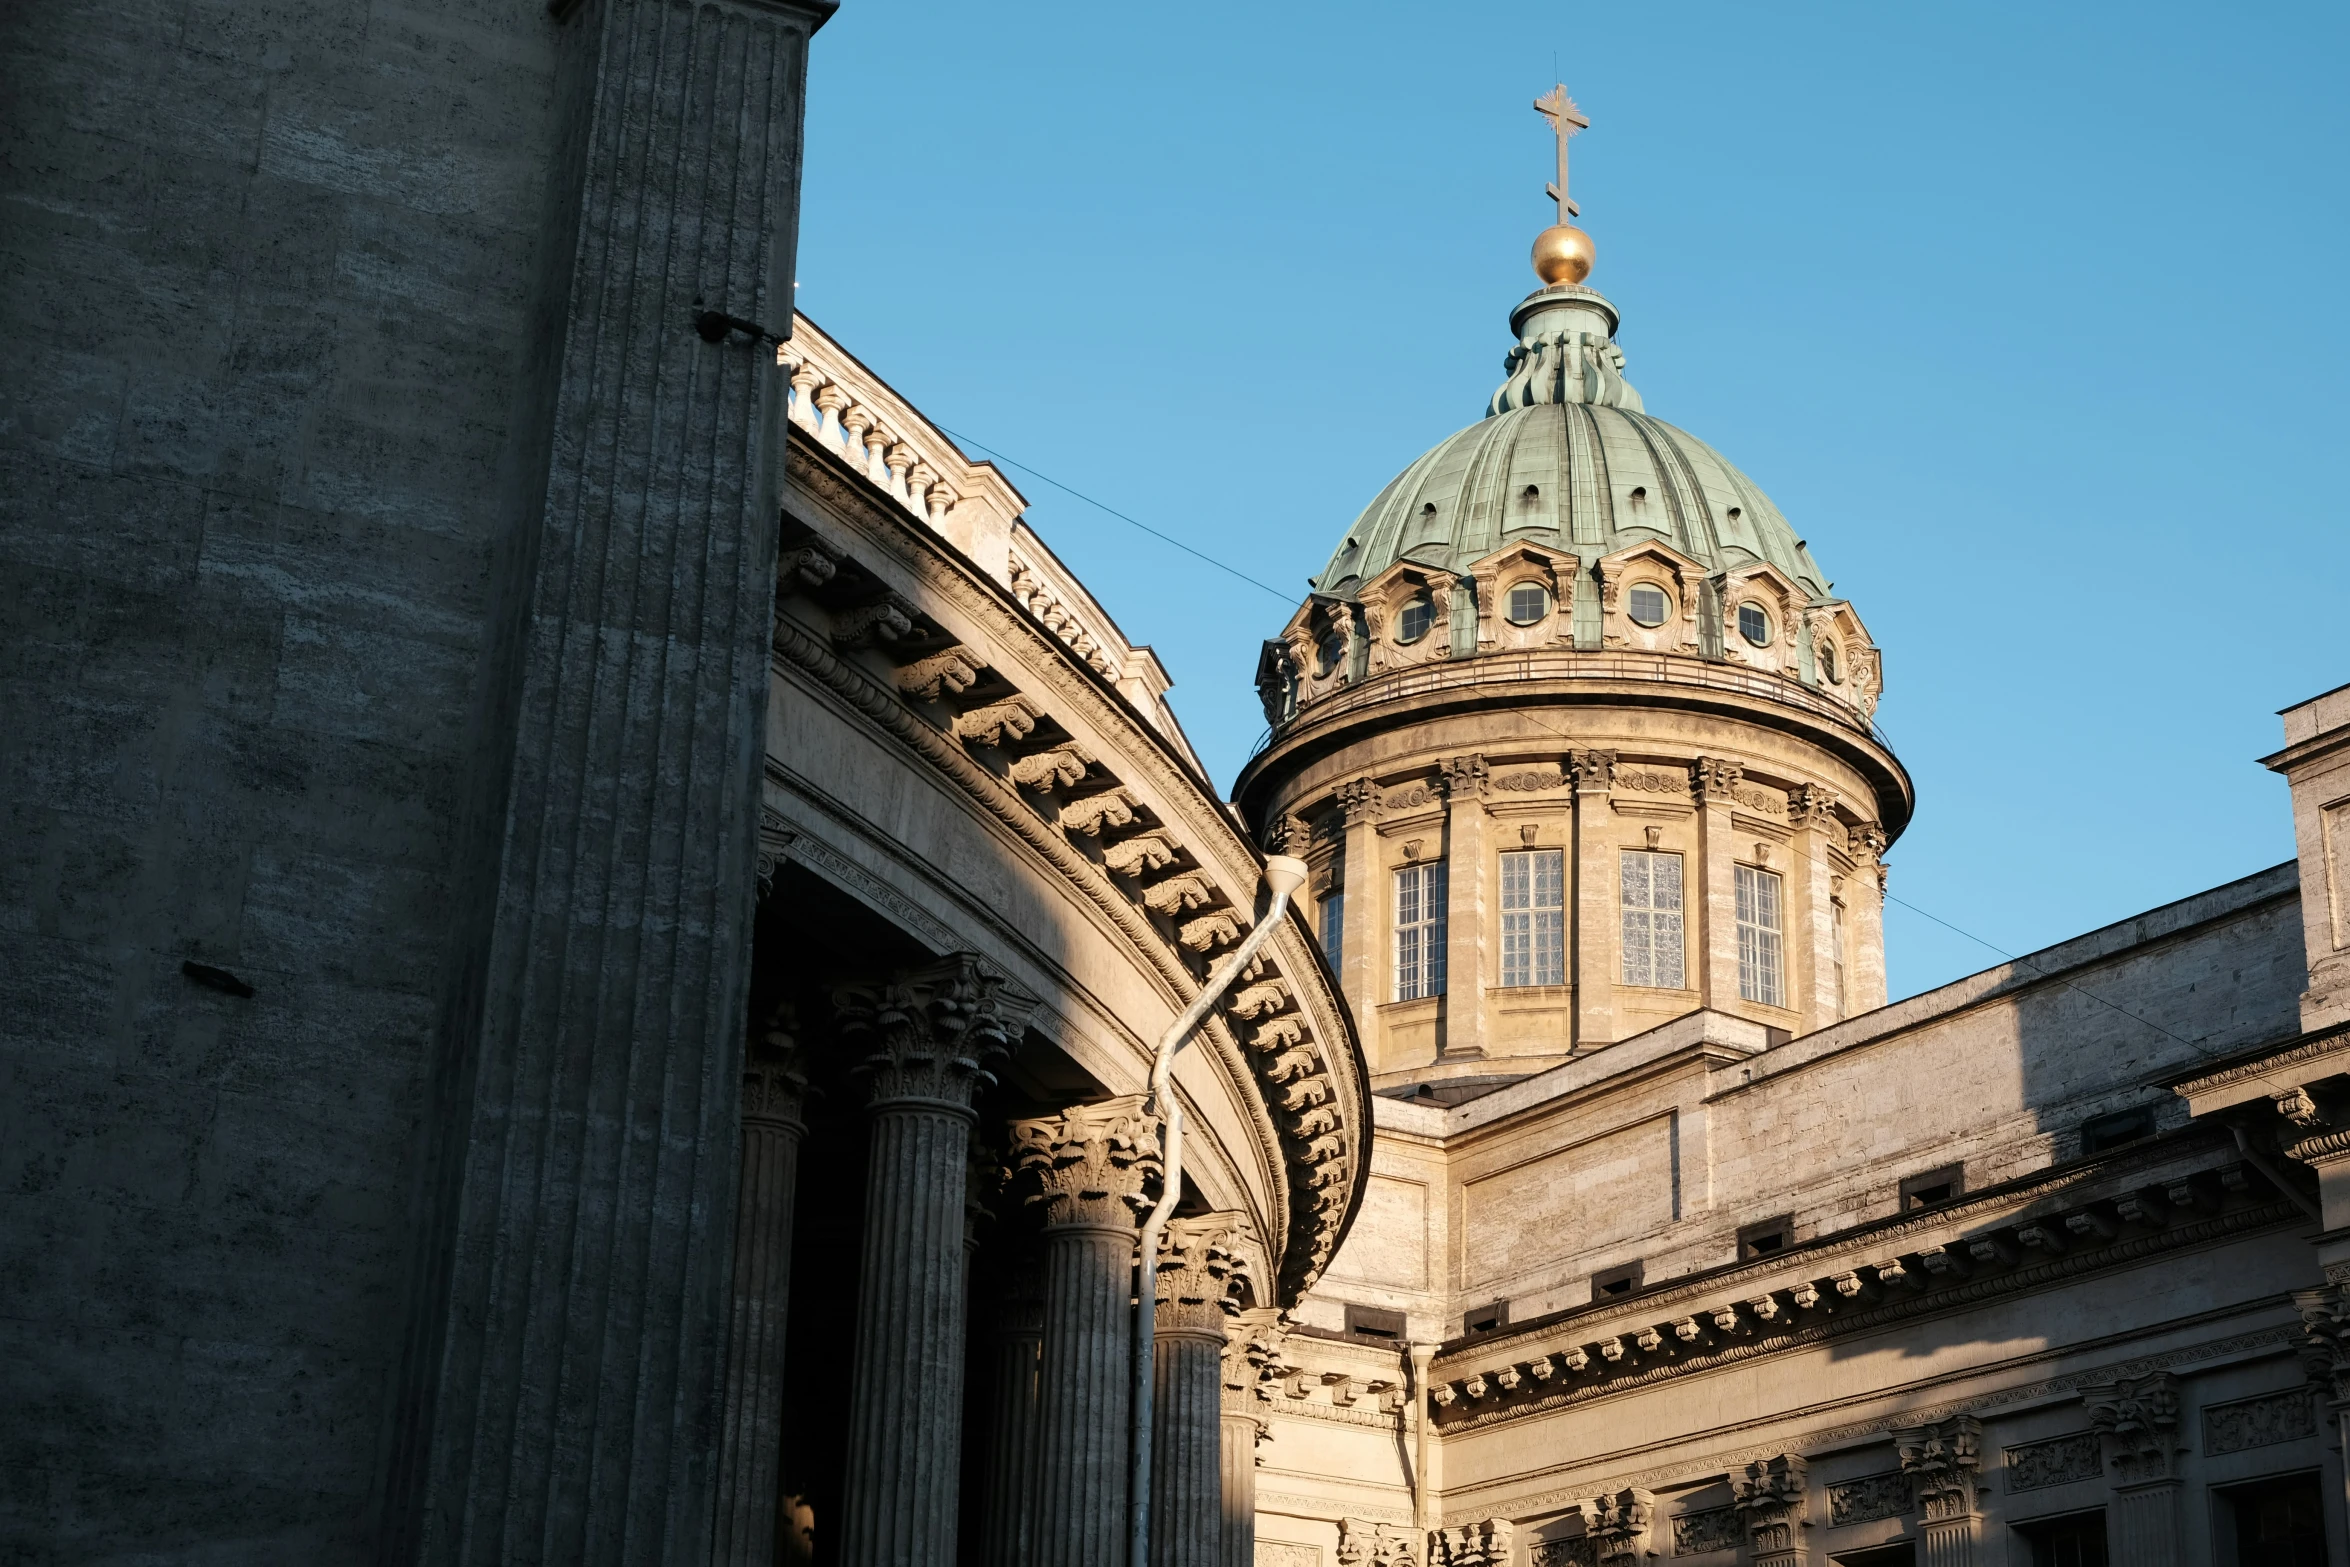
<point x="1018" y="1340"/>
<point x="1194" y="1284"/>
<point x="1773" y="1502"/>
<point x="559" y="1392"/>
<point x="1252" y="1338"/>
<point x="1944" y="1465"/>
<point x="1711" y="897"/>
<point x="1470" y="912"/>
<point x="2139" y="1419"/>
<point x="1090" y="1165"/>
<point x="1811" y="933"/>
<point x="750" y="1442"/>
<point x="1599" y="924"/>
<point x="1363" y="968"/>
<point x="927" y="1035"/>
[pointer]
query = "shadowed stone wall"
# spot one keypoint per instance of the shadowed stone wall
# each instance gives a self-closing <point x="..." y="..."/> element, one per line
<point x="385" y="627"/>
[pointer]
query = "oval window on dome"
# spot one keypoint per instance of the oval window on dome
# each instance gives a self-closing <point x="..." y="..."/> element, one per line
<point x="1754" y="624"/>
<point x="1647" y="604"/>
<point x="1828" y="665"/>
<point x="1529" y="602"/>
<point x="1412" y="623"/>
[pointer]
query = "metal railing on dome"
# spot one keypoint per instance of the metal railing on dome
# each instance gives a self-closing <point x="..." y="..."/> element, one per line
<point x="1567" y="664"/>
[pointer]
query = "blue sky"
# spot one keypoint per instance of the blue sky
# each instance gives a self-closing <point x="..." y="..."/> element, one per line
<point x="2021" y="314"/>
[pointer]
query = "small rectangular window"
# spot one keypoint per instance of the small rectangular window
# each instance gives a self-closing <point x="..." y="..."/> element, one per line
<point x="1487" y="1319"/>
<point x="2074" y="1541"/>
<point x="1650" y="892"/>
<point x="1419" y="931"/>
<point x="1332" y="914"/>
<point x="1371" y="1322"/>
<point x="1759" y="959"/>
<point x="1933" y="1188"/>
<point x="1766" y="1239"/>
<point x="2279" y="1521"/>
<point x="1534" y="917"/>
<point x="2111" y="1131"/>
<point x="1616" y="1281"/>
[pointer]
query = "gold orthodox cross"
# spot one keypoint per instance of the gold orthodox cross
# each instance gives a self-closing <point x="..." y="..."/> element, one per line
<point x="1565" y="120"/>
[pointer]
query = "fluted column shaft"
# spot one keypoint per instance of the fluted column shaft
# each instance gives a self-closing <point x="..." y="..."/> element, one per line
<point x="1011" y="1456"/>
<point x="926" y="1032"/>
<point x="906" y="1398"/>
<point x="751" y="1440"/>
<point x="1237" y="1452"/>
<point x="1090" y="1166"/>
<point x="1186" y="1461"/>
<point x="1084" y="1398"/>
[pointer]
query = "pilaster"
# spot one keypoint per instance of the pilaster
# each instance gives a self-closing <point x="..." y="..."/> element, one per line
<point x="2324" y="1344"/>
<point x="1944" y="1466"/>
<point x="1194" y="1284"/>
<point x="750" y="1441"/>
<point x="1811" y="811"/>
<point x="1469" y="932"/>
<point x="1714" y="900"/>
<point x="1864" y="906"/>
<point x="560" y="1384"/>
<point x="2138" y="1417"/>
<point x="1773" y="1502"/>
<point x="1251" y="1347"/>
<point x="1089" y="1167"/>
<point x="1599" y="925"/>
<point x="1369" y="904"/>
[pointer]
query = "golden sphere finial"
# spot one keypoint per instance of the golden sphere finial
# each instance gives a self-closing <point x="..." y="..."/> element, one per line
<point x="1563" y="253"/>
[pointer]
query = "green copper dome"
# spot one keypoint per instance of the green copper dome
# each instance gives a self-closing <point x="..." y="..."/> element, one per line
<point x="1566" y="457"/>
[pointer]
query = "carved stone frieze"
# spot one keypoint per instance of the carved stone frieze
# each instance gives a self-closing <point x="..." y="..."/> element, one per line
<point x="2060" y="1460"/>
<point x="1090" y="1164"/>
<point x="930" y="1033"/>
<point x="1707" y="1529"/>
<point x="2265" y="1421"/>
<point x="1574" y="1551"/>
<point x="1869" y="1498"/>
<point x="2139" y="1419"/>
<point x="1531" y="783"/>
<point x="1649" y="781"/>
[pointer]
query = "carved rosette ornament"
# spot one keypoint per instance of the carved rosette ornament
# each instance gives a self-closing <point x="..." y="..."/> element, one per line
<point x="1714" y="781"/>
<point x="1090" y="1163"/>
<point x="929" y="1034"/>
<point x="1772" y="1501"/>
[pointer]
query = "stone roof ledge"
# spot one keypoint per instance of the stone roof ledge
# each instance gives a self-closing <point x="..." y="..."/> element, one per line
<point x="1715" y="1037"/>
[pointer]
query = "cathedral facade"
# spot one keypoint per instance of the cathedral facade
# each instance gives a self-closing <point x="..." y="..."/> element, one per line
<point x="612" y="961"/>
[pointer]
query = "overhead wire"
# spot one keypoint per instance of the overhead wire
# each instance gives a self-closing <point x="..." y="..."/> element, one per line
<point x="999" y="455"/>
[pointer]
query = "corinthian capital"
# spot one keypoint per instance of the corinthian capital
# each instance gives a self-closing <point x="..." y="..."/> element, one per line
<point x="929" y="1034"/>
<point x="1358" y="801"/>
<point x="1196" y="1264"/>
<point x="2139" y="1419"/>
<point x="2324" y="1342"/>
<point x="1591" y="769"/>
<point x="775" y="1078"/>
<point x="1091" y="1162"/>
<point x="1464" y="776"/>
<point x="1944" y="1464"/>
<point x="1712" y="779"/>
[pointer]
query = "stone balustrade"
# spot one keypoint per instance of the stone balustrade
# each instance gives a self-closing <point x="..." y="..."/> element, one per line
<point x="850" y="412"/>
